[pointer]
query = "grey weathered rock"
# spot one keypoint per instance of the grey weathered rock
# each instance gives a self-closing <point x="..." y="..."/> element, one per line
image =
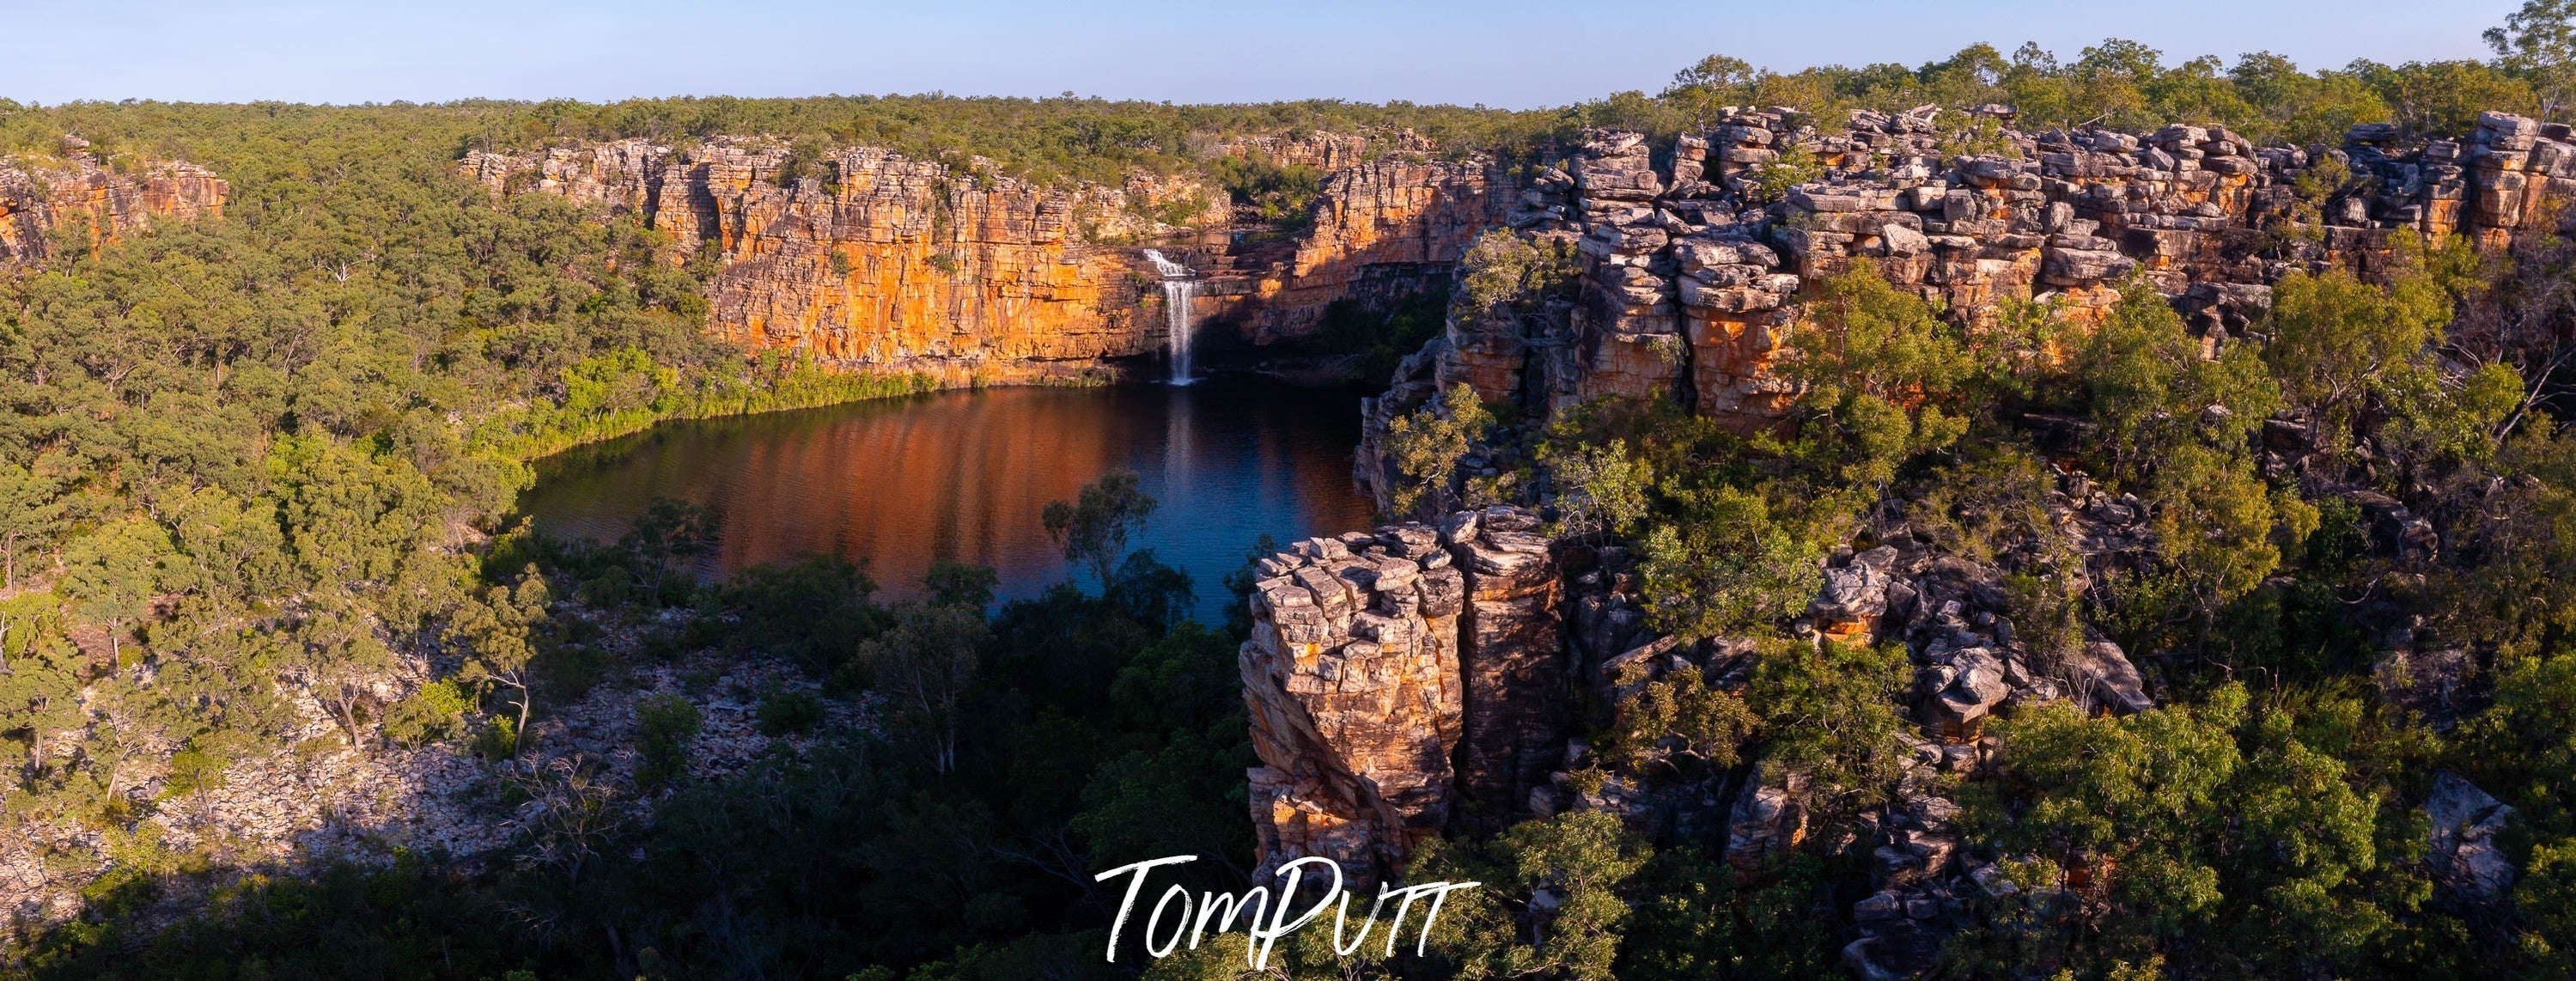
<point x="2465" y="856"/>
<point x="2104" y="680"/>
<point x="1769" y="816"/>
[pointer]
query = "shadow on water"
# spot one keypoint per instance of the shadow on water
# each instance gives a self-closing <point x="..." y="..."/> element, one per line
<point x="964" y="475"/>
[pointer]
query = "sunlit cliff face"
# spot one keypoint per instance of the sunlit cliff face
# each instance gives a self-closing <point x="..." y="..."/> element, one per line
<point x="38" y="198"/>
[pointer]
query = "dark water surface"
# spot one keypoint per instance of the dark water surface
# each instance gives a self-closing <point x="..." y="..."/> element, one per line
<point x="964" y="475"/>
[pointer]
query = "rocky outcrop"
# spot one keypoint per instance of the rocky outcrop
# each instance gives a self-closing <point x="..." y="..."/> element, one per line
<point x="2468" y="862"/>
<point x="867" y="259"/>
<point x="1325" y="151"/>
<point x="1383" y="228"/>
<point x="1351" y="678"/>
<point x="43" y="199"/>
<point x="1689" y="286"/>
<point x="1692" y="282"/>
<point x="1511" y="655"/>
<point x="1372" y="657"/>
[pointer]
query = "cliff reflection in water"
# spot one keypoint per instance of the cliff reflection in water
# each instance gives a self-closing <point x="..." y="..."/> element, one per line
<point x="965" y="475"/>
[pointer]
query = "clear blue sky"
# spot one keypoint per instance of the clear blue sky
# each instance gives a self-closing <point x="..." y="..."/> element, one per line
<point x="1502" y="53"/>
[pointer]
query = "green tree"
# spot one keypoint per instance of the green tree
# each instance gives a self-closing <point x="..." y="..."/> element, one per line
<point x="2339" y="343"/>
<point x="1680" y="717"/>
<point x="111" y="574"/>
<point x="498" y="632"/>
<point x="2538" y="42"/>
<point x="1601" y="490"/>
<point x="1092" y="529"/>
<point x="1557" y="882"/>
<point x="665" y="727"/>
<point x="925" y="665"/>
<point x="1877" y="366"/>
<point x="1735" y="566"/>
<point x="666" y="538"/>
<point x="1426" y="447"/>
<point x="31" y="512"/>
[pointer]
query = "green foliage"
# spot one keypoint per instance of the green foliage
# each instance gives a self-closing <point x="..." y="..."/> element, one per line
<point x="2538" y="44"/>
<point x="667" y="537"/>
<point x="1373" y="339"/>
<point x="431" y="713"/>
<point x="1772" y="179"/>
<point x="2433" y="98"/>
<point x="2338" y="344"/>
<point x="1600" y="489"/>
<point x="2142" y="378"/>
<point x="2149" y="806"/>
<point x="665" y="725"/>
<point x="1426" y="448"/>
<point x="789" y="712"/>
<point x="1504" y="268"/>
<point x="1830" y="710"/>
<point x="1877" y="366"/>
<point x="111" y="574"/>
<point x="813" y="611"/>
<point x="1737" y="568"/>
<point x="1092" y="529"/>
<point x="1696" y="918"/>
<point x="926" y="663"/>
<point x="953" y="583"/>
<point x="499" y="632"/>
<point x="1557" y="882"/>
<point x="1282" y="194"/>
<point x="1677" y="722"/>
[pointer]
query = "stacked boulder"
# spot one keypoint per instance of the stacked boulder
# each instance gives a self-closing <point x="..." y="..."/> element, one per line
<point x="1376" y="654"/>
<point x="1691" y="270"/>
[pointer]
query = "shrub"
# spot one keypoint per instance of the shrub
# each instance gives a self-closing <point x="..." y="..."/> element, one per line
<point x="434" y="712"/>
<point x="791" y="710"/>
<point x="665" y="725"/>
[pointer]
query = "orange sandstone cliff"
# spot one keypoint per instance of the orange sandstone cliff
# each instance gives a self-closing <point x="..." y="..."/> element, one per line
<point x="44" y="200"/>
<point x="868" y="259"/>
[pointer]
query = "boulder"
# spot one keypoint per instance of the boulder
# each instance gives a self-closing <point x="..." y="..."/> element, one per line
<point x="2466" y="858"/>
<point x="2103" y="680"/>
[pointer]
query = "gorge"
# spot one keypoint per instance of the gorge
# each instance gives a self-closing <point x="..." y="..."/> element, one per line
<point x="871" y="261"/>
<point x="1996" y="518"/>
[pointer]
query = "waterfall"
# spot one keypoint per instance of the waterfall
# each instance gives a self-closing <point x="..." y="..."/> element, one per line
<point x="1178" y="290"/>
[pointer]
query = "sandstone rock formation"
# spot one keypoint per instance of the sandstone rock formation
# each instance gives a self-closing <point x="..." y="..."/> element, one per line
<point x="1511" y="656"/>
<point x="869" y="259"/>
<point x="1368" y="653"/>
<point x="1351" y="677"/>
<point x="76" y="194"/>
<point x="1384" y="228"/>
<point x="1689" y="285"/>
<point x="1691" y="281"/>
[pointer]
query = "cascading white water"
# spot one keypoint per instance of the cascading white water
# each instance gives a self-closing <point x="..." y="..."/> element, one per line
<point x="1178" y="290"/>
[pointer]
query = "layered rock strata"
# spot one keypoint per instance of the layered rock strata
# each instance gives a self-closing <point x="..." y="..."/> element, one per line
<point x="1368" y="654"/>
<point x="1382" y="229"/>
<point x="1691" y="283"/>
<point x="1511" y="658"/>
<point x="865" y="258"/>
<point x="74" y="194"/>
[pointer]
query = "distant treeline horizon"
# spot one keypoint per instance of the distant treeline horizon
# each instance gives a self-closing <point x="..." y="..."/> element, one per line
<point x="2118" y="83"/>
